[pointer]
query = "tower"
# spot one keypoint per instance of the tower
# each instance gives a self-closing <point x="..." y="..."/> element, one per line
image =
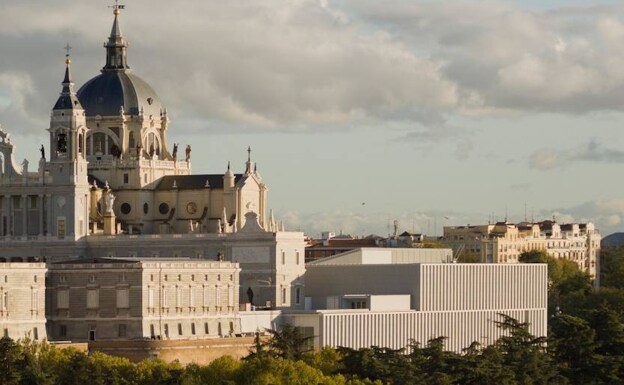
<point x="69" y="187"/>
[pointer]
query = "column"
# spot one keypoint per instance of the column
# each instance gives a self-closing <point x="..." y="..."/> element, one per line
<point x="49" y="216"/>
<point x="9" y="215"/>
<point x="24" y="215"/>
<point x="41" y="211"/>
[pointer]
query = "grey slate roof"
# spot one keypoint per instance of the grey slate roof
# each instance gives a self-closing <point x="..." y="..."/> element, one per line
<point x="106" y="93"/>
<point x="193" y="182"/>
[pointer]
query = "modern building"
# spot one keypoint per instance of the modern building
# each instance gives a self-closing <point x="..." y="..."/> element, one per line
<point x="22" y="300"/>
<point x="389" y="297"/>
<point x="388" y="303"/>
<point x="108" y="184"/>
<point x="124" y="299"/>
<point x="504" y="242"/>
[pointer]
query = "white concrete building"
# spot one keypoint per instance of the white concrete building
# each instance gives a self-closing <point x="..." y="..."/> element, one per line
<point x="371" y="301"/>
<point x="22" y="300"/>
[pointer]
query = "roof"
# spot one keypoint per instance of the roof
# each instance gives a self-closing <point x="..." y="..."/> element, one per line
<point x="193" y="182"/>
<point x="386" y="256"/>
<point x="106" y="93"/>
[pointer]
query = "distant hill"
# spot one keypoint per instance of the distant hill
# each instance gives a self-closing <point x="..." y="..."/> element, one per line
<point x="612" y="240"/>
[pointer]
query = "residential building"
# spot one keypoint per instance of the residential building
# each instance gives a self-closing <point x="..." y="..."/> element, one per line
<point x="504" y="242"/>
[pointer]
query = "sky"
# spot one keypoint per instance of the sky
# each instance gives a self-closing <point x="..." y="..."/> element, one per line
<point x="360" y="112"/>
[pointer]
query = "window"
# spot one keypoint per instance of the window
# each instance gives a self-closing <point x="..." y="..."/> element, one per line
<point x="93" y="299"/>
<point x="92" y="278"/>
<point x="62" y="299"/>
<point x="297" y="257"/>
<point x="283" y="257"/>
<point x="178" y="297"/>
<point x="206" y="329"/>
<point x="152" y="333"/>
<point x="34" y="300"/>
<point x="167" y="330"/>
<point x="180" y="329"/>
<point x="126" y="208"/>
<point x="35" y="278"/>
<point x="60" y="228"/>
<point x="145" y="208"/>
<point x="63" y="331"/>
<point x="4" y="301"/>
<point x="123" y="298"/>
<point x="193" y="328"/>
<point x="125" y="178"/>
<point x="150" y="297"/>
<point x="231" y="296"/>
<point x="231" y="327"/>
<point x="122" y="330"/>
<point x="283" y="296"/>
<point x="297" y="295"/>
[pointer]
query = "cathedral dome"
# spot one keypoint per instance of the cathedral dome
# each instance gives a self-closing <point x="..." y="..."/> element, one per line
<point x="116" y="87"/>
<point x="106" y="93"/>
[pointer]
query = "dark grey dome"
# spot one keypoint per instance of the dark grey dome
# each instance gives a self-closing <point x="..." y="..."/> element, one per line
<point x="106" y="93"/>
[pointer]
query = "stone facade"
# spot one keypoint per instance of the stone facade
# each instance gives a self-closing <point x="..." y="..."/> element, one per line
<point x="22" y="300"/>
<point x="504" y="242"/>
<point x="124" y="299"/>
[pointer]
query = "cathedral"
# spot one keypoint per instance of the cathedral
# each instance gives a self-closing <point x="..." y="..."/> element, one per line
<point x="110" y="185"/>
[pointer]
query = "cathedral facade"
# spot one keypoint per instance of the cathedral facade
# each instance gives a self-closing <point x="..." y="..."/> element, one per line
<point x="112" y="186"/>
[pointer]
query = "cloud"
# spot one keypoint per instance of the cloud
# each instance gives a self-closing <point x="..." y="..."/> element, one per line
<point x="593" y="151"/>
<point x="293" y="65"/>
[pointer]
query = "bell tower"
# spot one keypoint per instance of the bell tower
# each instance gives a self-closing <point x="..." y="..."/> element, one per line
<point x="68" y="126"/>
<point x="67" y="167"/>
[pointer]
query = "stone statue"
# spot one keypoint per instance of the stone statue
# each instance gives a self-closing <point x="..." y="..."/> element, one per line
<point x="108" y="201"/>
<point x="42" y="149"/>
<point x="138" y="150"/>
<point x="175" y="151"/>
<point x="151" y="150"/>
<point x="188" y="152"/>
<point x="250" y="295"/>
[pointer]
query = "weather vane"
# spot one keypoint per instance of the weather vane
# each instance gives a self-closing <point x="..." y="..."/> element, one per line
<point x="117" y="7"/>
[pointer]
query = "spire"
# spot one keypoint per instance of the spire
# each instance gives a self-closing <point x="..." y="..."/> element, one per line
<point x="229" y="173"/>
<point x="249" y="168"/>
<point x="116" y="45"/>
<point x="67" y="99"/>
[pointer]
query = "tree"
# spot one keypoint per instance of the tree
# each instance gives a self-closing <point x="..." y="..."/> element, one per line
<point x="525" y="355"/>
<point x="11" y="356"/>
<point x="288" y="343"/>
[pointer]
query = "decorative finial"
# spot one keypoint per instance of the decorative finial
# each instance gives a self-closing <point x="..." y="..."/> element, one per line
<point x="249" y="153"/>
<point x="228" y="165"/>
<point x="67" y="49"/>
<point x="117" y="7"/>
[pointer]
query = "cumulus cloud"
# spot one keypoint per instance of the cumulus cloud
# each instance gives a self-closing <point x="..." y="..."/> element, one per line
<point x="292" y="65"/>
<point x="593" y="151"/>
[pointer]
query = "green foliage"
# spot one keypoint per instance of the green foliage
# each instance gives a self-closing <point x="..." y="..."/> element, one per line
<point x="612" y="268"/>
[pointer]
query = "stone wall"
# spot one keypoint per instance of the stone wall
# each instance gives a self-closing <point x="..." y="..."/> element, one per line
<point x="201" y="352"/>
